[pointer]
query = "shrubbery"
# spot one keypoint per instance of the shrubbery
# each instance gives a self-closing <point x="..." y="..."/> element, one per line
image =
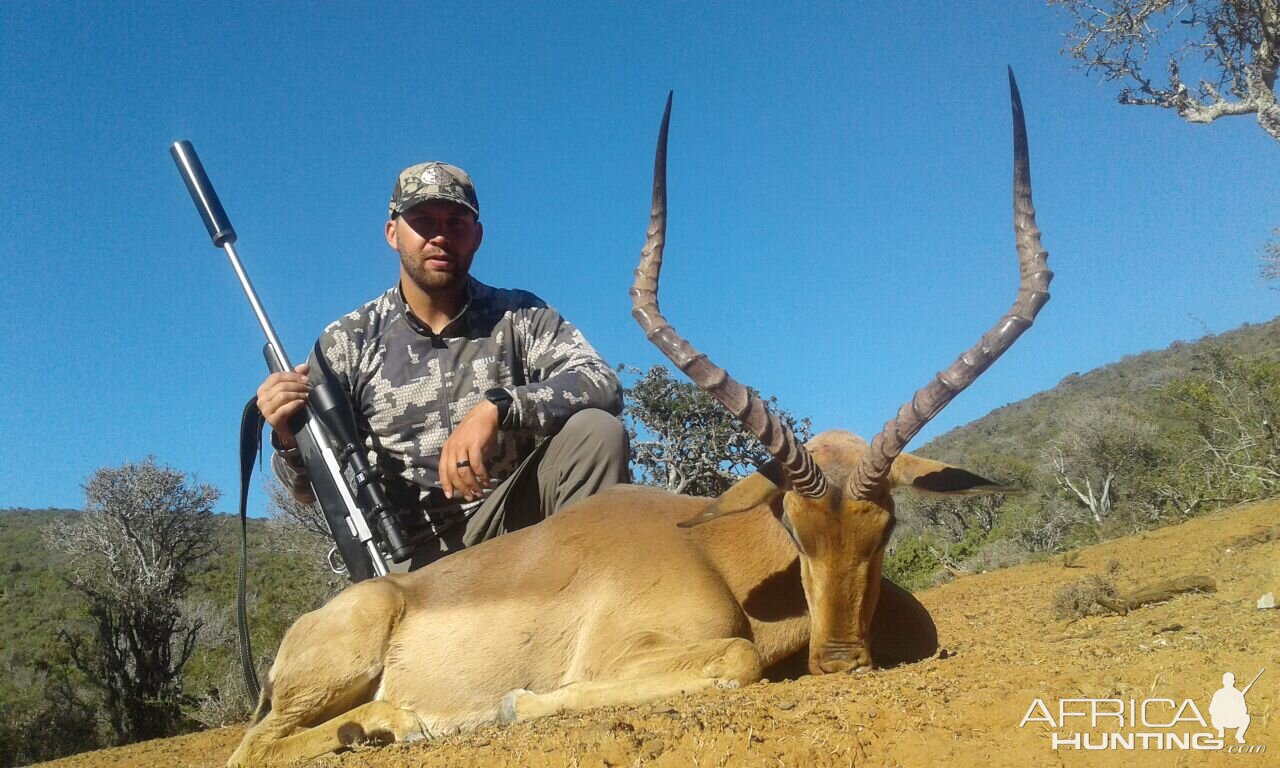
<point x="48" y="709"/>
<point x="1191" y="443"/>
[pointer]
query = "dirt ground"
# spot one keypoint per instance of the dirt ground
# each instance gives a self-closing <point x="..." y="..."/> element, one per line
<point x="1003" y="649"/>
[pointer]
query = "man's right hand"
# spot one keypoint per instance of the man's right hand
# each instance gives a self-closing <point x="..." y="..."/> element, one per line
<point x="280" y="397"/>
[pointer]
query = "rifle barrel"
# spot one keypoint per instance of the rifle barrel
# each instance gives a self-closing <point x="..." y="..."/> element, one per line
<point x="1254" y="680"/>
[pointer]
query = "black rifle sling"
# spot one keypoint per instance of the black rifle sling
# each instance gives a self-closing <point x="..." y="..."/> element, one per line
<point x="327" y="495"/>
<point x="251" y="422"/>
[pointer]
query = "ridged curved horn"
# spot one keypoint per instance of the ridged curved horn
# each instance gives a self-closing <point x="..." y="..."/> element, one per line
<point x="804" y="476"/>
<point x="1033" y="292"/>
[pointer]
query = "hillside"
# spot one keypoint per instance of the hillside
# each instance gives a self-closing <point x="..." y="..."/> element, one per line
<point x="1018" y="430"/>
<point x="45" y="707"/>
<point x="1003" y="649"/>
<point x="35" y="602"/>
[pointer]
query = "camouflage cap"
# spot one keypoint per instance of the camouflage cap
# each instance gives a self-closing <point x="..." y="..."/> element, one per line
<point x="432" y="181"/>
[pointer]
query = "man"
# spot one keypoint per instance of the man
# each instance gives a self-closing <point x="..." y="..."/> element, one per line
<point x="1227" y="709"/>
<point x="485" y="409"/>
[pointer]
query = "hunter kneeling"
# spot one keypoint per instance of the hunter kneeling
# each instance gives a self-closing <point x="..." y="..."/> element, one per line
<point x="485" y="410"/>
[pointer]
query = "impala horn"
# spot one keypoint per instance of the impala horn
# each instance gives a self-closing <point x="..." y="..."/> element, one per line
<point x="795" y="462"/>
<point x="1033" y="292"/>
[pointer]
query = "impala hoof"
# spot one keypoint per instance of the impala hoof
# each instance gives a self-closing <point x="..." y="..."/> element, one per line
<point x="508" y="711"/>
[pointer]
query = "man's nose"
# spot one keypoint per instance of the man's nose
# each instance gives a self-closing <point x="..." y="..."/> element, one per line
<point x="433" y="234"/>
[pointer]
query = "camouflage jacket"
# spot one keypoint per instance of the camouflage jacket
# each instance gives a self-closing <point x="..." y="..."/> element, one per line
<point x="411" y="387"/>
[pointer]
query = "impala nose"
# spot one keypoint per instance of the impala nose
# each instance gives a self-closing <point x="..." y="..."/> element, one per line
<point x="841" y="658"/>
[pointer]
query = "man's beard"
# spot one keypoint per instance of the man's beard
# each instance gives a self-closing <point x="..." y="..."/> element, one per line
<point x="432" y="282"/>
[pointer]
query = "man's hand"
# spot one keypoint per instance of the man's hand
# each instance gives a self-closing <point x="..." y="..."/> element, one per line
<point x="473" y="440"/>
<point x="280" y="397"/>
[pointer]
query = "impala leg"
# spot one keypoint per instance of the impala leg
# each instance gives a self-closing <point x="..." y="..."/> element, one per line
<point x="328" y="665"/>
<point x="654" y="672"/>
<point x="376" y="721"/>
<point x="902" y="630"/>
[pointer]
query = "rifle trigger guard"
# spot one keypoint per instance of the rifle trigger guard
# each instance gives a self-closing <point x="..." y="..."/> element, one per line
<point x="335" y="562"/>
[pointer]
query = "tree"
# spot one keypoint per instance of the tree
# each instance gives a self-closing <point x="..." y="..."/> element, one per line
<point x="301" y="529"/>
<point x="49" y="721"/>
<point x="143" y="529"/>
<point x="297" y="526"/>
<point x="684" y="440"/>
<point x="1270" y="256"/>
<point x="1232" y="405"/>
<point x="1230" y="47"/>
<point x="1102" y="442"/>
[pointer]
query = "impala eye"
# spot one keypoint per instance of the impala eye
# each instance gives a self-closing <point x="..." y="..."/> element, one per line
<point x="786" y="526"/>
<point x="888" y="531"/>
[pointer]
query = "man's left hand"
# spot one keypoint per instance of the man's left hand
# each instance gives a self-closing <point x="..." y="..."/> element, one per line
<point x="473" y="440"/>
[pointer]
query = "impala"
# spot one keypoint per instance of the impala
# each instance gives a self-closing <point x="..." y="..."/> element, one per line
<point x="637" y="594"/>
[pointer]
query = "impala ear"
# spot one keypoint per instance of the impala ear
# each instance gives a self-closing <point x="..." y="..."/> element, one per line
<point x="929" y="476"/>
<point x="745" y="495"/>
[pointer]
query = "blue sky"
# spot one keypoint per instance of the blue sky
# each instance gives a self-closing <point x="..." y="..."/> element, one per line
<point x="840" y="200"/>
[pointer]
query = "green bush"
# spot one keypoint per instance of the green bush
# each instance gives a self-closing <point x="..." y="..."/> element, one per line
<point x="911" y="565"/>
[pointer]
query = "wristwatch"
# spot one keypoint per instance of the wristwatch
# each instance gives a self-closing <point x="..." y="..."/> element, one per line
<point x="502" y="399"/>
<point x="291" y="455"/>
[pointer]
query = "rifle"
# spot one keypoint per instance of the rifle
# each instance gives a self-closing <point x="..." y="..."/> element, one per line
<point x="348" y="490"/>
<point x="327" y="433"/>
<point x="1254" y="680"/>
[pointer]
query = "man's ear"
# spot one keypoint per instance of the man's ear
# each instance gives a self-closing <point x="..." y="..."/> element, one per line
<point x="929" y="476"/>
<point x="392" y="238"/>
<point x="479" y="233"/>
<point x="745" y="495"/>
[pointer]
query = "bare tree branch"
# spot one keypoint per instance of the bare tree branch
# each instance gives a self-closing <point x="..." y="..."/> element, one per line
<point x="1270" y="257"/>
<point x="1100" y="443"/>
<point x="1230" y="47"/>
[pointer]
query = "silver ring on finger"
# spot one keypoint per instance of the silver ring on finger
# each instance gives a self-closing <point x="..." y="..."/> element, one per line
<point x="464" y="464"/>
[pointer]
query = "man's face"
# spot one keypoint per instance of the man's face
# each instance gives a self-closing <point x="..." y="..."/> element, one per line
<point x="436" y="241"/>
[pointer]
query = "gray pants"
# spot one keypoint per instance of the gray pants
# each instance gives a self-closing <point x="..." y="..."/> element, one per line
<point x="590" y="453"/>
